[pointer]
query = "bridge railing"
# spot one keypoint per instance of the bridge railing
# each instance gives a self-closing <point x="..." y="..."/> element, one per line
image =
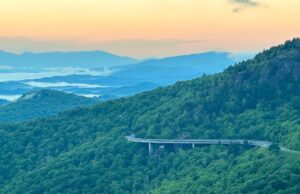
<point x="200" y="141"/>
<point x="258" y="143"/>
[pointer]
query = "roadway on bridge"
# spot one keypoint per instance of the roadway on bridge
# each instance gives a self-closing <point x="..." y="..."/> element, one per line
<point x="193" y="142"/>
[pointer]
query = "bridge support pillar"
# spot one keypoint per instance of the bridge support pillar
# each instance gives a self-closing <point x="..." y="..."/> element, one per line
<point x="193" y="145"/>
<point x="150" y="148"/>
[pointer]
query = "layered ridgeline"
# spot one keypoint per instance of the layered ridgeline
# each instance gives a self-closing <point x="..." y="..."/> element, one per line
<point x="84" y="59"/>
<point x="84" y="151"/>
<point x="85" y="76"/>
<point x="168" y="70"/>
<point x="41" y="103"/>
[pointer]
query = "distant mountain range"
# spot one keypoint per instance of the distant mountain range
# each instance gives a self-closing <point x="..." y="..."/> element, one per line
<point x="97" y="73"/>
<point x="83" y="59"/>
<point x="171" y="69"/>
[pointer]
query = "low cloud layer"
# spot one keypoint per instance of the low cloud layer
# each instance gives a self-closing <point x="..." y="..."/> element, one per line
<point x="51" y="72"/>
<point x="62" y="84"/>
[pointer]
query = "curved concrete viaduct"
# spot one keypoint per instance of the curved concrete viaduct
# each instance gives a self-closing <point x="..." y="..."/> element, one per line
<point x="194" y="142"/>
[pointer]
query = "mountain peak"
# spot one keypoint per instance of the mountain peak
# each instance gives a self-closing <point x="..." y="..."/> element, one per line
<point x="282" y="59"/>
<point x="289" y="49"/>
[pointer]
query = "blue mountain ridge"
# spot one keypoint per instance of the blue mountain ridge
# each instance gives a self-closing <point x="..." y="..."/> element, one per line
<point x="87" y="59"/>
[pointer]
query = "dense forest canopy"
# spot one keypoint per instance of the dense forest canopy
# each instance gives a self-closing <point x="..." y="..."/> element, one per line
<point x="41" y="103"/>
<point x="84" y="150"/>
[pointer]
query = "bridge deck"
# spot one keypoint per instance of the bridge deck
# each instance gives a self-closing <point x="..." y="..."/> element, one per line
<point x="194" y="142"/>
<point x="200" y="141"/>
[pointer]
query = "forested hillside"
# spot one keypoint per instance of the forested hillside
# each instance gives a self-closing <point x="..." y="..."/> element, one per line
<point x="41" y="103"/>
<point x="84" y="150"/>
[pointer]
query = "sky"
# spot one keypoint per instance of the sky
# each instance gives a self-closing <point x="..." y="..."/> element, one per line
<point x="147" y="28"/>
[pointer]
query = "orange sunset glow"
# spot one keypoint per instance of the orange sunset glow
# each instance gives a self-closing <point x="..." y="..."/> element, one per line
<point x="137" y="27"/>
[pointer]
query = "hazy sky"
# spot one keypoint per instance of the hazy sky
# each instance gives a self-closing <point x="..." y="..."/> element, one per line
<point x="144" y="28"/>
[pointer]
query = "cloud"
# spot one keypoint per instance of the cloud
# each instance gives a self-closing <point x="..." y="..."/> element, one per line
<point x="51" y="72"/>
<point x="243" y="4"/>
<point x="10" y="97"/>
<point x="62" y="84"/>
<point x="246" y="2"/>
